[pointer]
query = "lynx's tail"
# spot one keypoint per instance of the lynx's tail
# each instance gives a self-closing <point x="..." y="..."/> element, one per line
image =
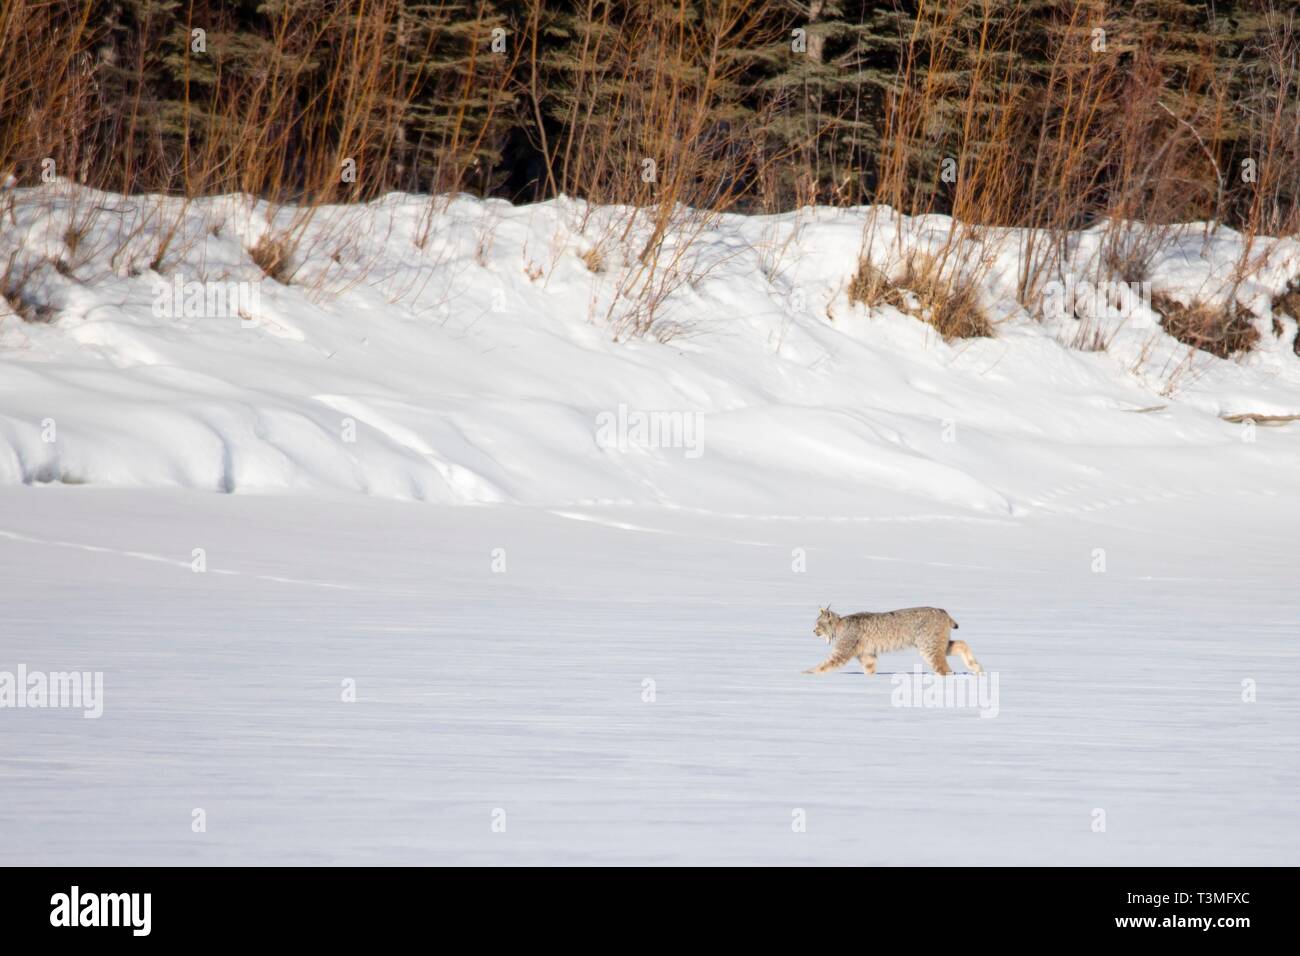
<point x="954" y="624"/>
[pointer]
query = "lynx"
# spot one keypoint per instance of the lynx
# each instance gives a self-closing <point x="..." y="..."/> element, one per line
<point x="870" y="633"/>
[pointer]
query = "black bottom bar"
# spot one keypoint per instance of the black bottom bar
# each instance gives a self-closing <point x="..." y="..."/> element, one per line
<point x="731" y="906"/>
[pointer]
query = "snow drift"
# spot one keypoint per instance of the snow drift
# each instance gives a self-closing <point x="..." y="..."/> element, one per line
<point x="462" y="351"/>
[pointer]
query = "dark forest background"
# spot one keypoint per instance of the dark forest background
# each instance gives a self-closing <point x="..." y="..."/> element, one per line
<point x="1028" y="112"/>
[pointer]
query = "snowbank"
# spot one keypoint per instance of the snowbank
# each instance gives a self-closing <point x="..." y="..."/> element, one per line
<point x="463" y="352"/>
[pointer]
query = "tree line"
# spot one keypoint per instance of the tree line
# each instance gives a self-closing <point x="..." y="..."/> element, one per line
<point x="1038" y="113"/>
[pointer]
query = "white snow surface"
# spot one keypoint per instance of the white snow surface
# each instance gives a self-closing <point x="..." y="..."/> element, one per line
<point x="473" y="369"/>
<point x="396" y="473"/>
<point x="524" y="691"/>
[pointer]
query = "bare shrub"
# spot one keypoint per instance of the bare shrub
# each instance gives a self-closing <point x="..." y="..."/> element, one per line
<point x="272" y="253"/>
<point x="949" y="301"/>
<point x="15" y="288"/>
<point x="593" y="260"/>
<point x="1288" y="303"/>
<point x="870" y="286"/>
<point x="1090" y="337"/>
<point x="1222" y="330"/>
<point x="930" y="289"/>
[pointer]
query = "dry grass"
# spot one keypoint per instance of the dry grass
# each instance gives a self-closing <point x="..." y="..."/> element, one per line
<point x="870" y="286"/>
<point x="16" y="290"/>
<point x="1121" y="137"/>
<point x="948" y="301"/>
<point x="928" y="289"/>
<point x="1241" y="417"/>
<point x="1129" y="135"/>
<point x="648" y="124"/>
<point x="273" y="254"/>
<point x="1091" y="337"/>
<point x="1136" y="131"/>
<point x="1288" y="303"/>
<point x="1222" y="330"/>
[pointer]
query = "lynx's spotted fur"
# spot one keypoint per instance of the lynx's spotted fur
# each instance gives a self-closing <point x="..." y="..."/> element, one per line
<point x="870" y="633"/>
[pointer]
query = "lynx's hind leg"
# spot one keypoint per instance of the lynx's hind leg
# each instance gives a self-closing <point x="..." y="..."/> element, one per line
<point x="962" y="649"/>
<point x="868" y="662"/>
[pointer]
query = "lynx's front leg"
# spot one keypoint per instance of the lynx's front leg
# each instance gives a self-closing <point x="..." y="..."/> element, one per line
<point x="839" y="657"/>
<point x="938" y="663"/>
<point x="868" y="662"/>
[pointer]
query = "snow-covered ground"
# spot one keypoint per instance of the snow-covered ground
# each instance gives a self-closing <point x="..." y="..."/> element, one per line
<point x="572" y="583"/>
<point x="524" y="691"/>
<point x="479" y="367"/>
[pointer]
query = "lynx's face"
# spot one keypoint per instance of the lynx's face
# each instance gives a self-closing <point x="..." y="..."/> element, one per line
<point x="825" y="625"/>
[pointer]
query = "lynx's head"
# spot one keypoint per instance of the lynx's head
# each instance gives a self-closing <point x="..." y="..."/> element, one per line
<point x="826" y="622"/>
